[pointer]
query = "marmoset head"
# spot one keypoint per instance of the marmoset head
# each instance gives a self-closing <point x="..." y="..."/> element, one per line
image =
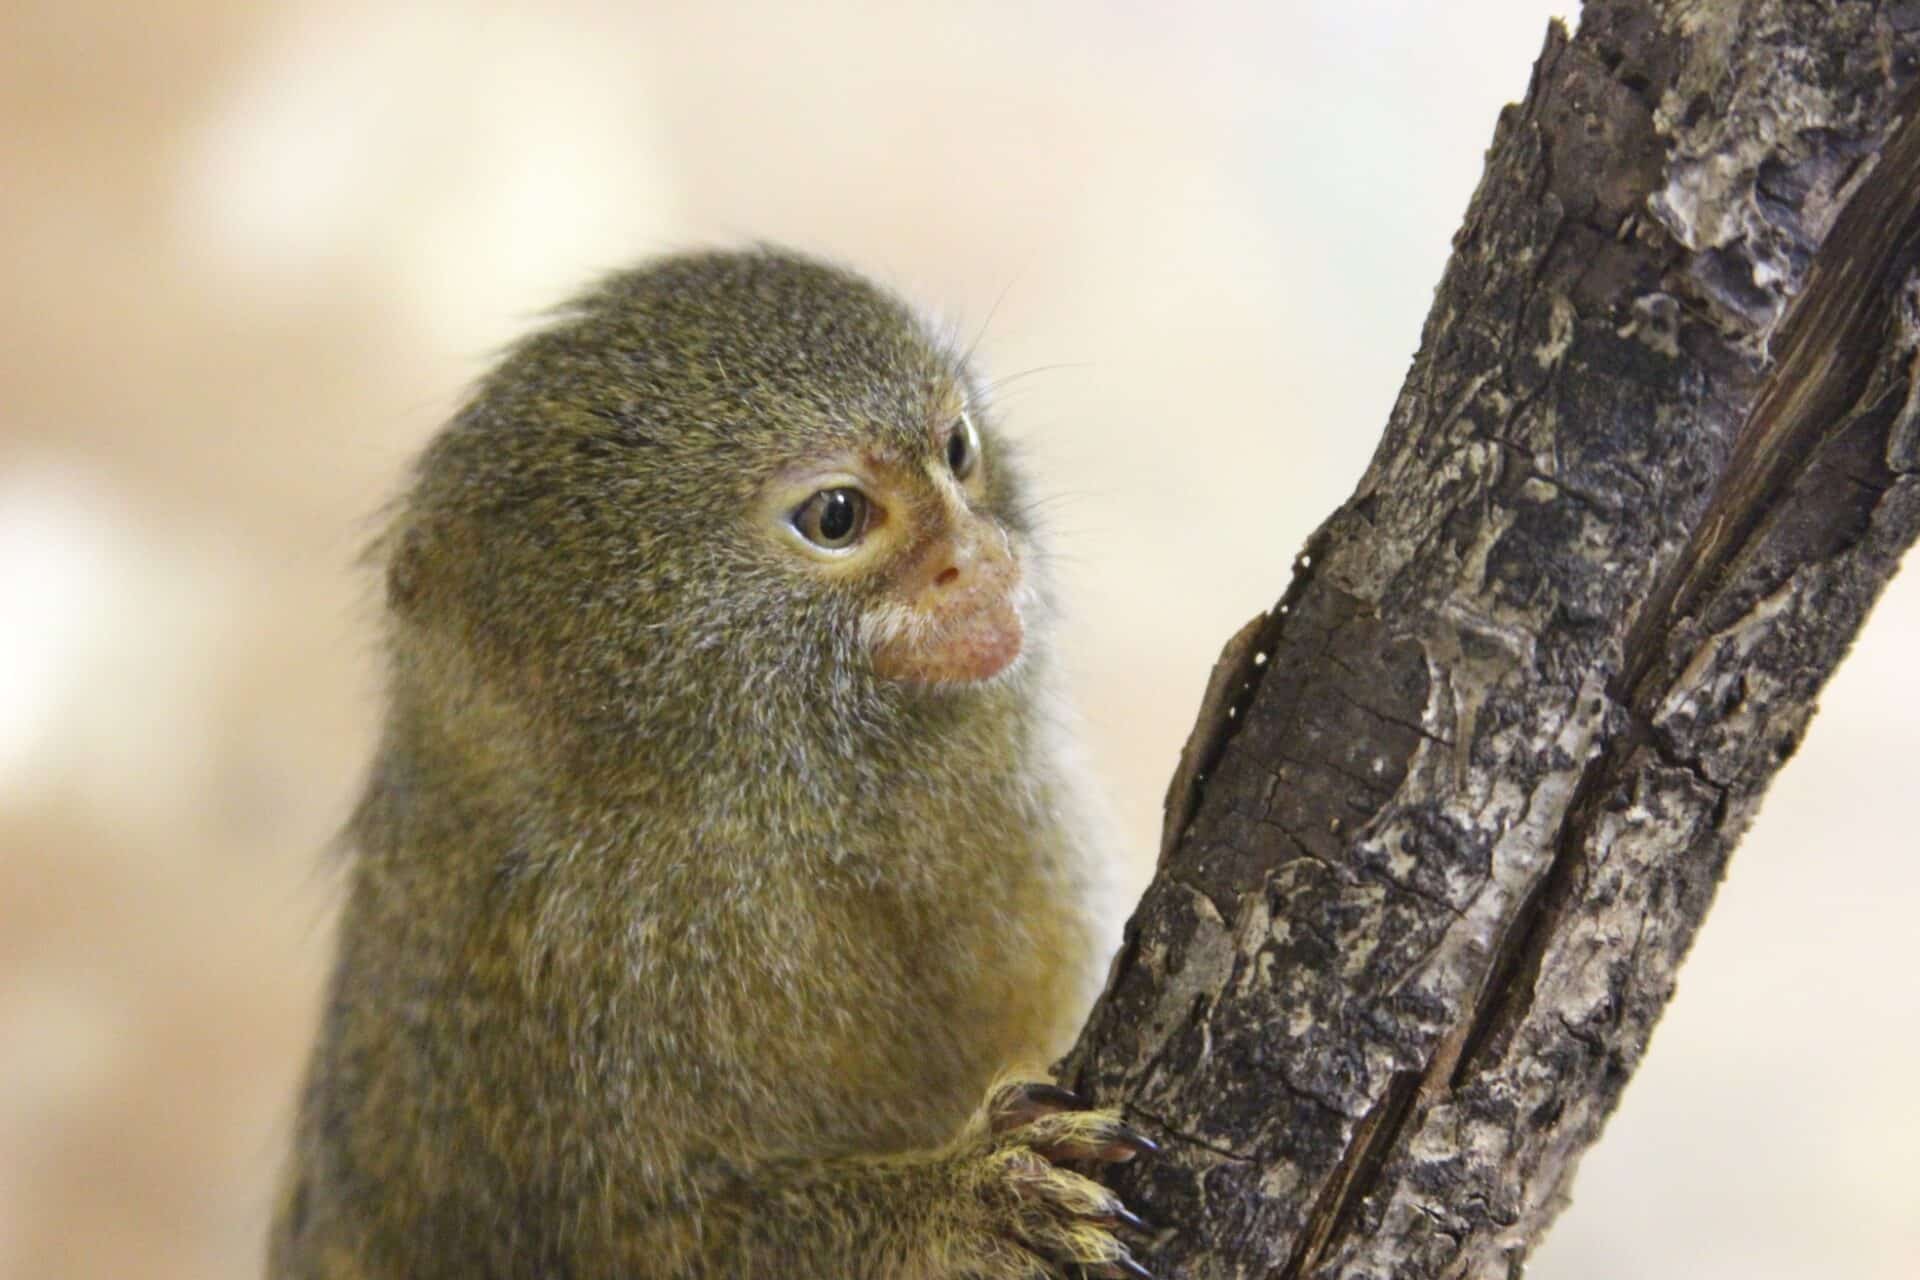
<point x="738" y="478"/>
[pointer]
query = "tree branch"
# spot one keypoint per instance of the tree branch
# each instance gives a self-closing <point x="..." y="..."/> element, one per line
<point x="1455" y="807"/>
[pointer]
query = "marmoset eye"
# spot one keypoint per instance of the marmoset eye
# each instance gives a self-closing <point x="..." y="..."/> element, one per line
<point x="963" y="447"/>
<point x="832" y="518"/>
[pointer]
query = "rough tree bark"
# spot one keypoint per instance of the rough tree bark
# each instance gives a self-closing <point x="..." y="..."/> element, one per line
<point x="1455" y="808"/>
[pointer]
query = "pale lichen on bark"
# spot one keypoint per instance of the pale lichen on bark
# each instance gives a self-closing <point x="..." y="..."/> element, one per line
<point x="1458" y="803"/>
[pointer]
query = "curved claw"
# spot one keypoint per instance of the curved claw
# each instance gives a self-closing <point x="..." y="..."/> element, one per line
<point x="1098" y="1136"/>
<point x="1052" y="1095"/>
<point x="1135" y="1141"/>
<point x="1016" y="1105"/>
<point x="1124" y="1266"/>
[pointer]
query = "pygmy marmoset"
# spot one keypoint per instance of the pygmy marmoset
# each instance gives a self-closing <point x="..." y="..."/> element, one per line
<point x="723" y="850"/>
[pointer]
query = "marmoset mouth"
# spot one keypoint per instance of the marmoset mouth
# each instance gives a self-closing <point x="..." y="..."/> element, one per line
<point x="978" y="641"/>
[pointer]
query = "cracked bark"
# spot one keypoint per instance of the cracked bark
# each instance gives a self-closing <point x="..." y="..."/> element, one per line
<point x="1455" y="807"/>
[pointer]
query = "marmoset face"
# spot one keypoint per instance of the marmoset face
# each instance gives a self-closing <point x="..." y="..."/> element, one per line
<point x="911" y="530"/>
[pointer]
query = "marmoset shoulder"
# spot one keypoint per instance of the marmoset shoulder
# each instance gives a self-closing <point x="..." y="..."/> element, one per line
<point x="725" y="858"/>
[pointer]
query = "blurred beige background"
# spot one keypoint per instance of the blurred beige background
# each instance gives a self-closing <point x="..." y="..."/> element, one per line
<point x="250" y="255"/>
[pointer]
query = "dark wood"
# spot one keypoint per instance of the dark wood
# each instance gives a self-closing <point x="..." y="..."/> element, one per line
<point x="1456" y="807"/>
